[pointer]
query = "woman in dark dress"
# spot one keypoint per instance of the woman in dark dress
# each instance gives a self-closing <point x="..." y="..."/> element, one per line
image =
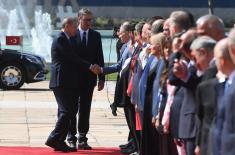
<point x="150" y="144"/>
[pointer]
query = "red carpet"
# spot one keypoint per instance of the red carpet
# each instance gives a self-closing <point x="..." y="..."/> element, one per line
<point x="48" y="151"/>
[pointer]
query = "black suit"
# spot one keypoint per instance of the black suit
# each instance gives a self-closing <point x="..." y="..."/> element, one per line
<point x="65" y="87"/>
<point x="93" y="54"/>
<point x="184" y="111"/>
<point x="206" y="110"/>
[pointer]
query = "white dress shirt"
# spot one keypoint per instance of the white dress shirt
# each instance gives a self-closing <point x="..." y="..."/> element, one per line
<point x="231" y="78"/>
<point x="81" y="33"/>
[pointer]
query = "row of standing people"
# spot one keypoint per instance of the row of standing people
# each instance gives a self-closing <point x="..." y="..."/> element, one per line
<point x="173" y="75"/>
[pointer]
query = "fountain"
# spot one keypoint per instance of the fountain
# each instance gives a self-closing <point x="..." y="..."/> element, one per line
<point x="41" y="35"/>
<point x="24" y="19"/>
<point x="36" y="40"/>
<point x="12" y="28"/>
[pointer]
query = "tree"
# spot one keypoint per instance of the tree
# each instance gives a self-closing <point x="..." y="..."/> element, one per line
<point x="210" y="6"/>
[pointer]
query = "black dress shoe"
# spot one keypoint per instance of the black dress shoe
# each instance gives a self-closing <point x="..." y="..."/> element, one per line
<point x="124" y="146"/>
<point x="114" y="109"/>
<point x="59" y="146"/>
<point x="129" y="150"/>
<point x="84" y="146"/>
<point x="72" y="145"/>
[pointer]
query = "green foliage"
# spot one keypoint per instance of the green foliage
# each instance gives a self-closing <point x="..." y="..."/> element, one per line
<point x="230" y="22"/>
<point x="111" y="77"/>
<point x="101" y="22"/>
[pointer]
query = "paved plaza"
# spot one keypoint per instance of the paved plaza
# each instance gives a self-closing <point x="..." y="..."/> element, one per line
<point x="28" y="115"/>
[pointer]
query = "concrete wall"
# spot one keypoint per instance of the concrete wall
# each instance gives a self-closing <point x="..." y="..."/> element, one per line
<point x="142" y="12"/>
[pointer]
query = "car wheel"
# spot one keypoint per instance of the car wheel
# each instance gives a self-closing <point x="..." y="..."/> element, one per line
<point x="12" y="76"/>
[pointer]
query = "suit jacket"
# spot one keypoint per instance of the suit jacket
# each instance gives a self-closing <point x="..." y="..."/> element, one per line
<point x="125" y="53"/>
<point x="187" y="128"/>
<point x="161" y="64"/>
<point x="228" y="131"/>
<point x="187" y="122"/>
<point x="217" y="126"/>
<point x="206" y="110"/>
<point x="175" y="112"/>
<point x="65" y="64"/>
<point x="92" y="53"/>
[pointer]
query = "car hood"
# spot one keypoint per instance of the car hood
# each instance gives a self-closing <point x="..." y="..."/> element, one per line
<point x="16" y="52"/>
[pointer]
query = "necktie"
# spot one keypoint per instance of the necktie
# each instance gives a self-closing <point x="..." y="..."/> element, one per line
<point x="226" y="86"/>
<point x="84" y="39"/>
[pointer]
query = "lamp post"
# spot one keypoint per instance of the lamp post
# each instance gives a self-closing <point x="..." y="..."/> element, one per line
<point x="210" y="7"/>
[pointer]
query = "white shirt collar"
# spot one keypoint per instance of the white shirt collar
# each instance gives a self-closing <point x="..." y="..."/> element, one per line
<point x="81" y="31"/>
<point x="212" y="62"/>
<point x="136" y="44"/>
<point x="231" y="77"/>
<point x="66" y="34"/>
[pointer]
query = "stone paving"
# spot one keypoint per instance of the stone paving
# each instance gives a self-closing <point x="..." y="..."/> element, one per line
<point x="28" y="115"/>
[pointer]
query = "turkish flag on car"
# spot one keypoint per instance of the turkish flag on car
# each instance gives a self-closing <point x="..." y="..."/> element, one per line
<point x="13" y="40"/>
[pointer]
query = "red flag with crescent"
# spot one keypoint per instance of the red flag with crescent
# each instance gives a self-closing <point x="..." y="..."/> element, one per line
<point x="13" y="40"/>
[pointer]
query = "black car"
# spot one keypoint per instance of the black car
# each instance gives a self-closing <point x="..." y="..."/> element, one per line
<point x="17" y="68"/>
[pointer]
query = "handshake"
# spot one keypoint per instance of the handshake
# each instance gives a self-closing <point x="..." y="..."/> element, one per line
<point x="96" y="69"/>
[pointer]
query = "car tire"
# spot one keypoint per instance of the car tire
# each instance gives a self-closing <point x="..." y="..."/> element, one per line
<point x="12" y="76"/>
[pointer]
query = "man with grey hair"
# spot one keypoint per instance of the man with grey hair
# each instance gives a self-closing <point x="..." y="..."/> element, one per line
<point x="228" y="132"/>
<point x="212" y="26"/>
<point x="157" y="26"/>
<point x="202" y="52"/>
<point x="203" y="56"/>
<point x="88" y="46"/>
<point x="180" y="21"/>
<point x="231" y="43"/>
<point x="210" y="95"/>
<point x="226" y="66"/>
<point x="64" y="86"/>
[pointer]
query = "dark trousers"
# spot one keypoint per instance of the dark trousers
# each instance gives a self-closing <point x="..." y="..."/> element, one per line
<point x="129" y="111"/>
<point x="190" y="146"/>
<point x="67" y="105"/>
<point x="83" y="110"/>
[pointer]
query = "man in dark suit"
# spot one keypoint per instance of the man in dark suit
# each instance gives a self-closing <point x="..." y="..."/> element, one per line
<point x="184" y="92"/>
<point x="225" y="65"/>
<point x="202" y="54"/>
<point x="64" y="86"/>
<point x="228" y="131"/>
<point x="88" y="46"/>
